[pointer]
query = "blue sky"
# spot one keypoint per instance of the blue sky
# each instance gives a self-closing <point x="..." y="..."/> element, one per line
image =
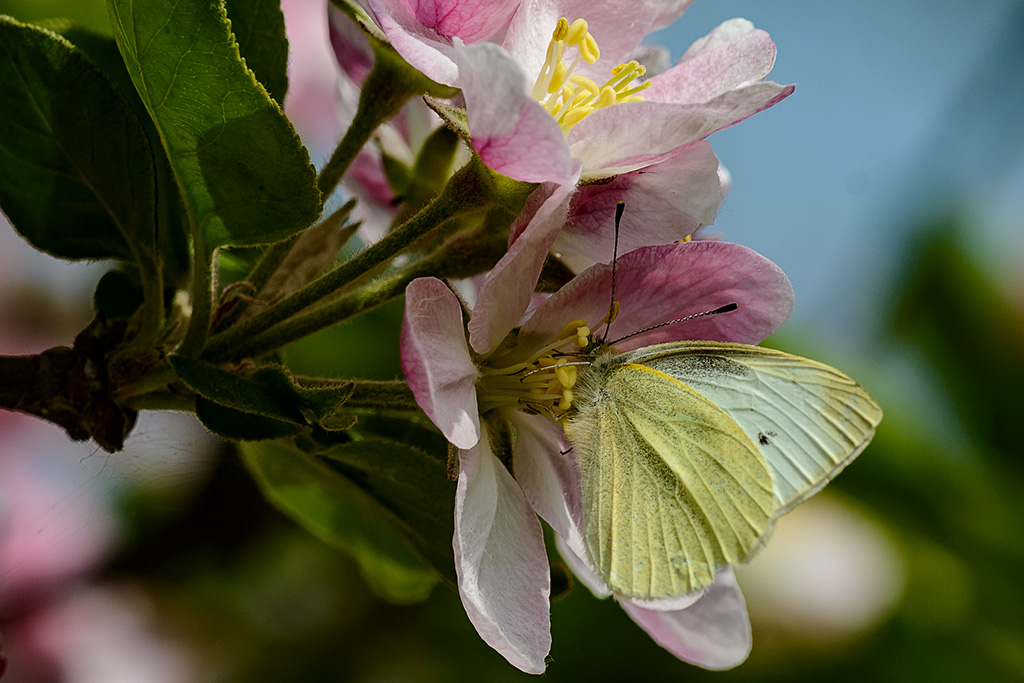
<point x="902" y="109"/>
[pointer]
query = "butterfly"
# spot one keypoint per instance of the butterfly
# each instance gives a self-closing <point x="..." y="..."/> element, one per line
<point x="689" y="451"/>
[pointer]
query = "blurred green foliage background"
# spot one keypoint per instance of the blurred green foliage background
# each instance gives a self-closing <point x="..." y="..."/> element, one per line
<point x="932" y="511"/>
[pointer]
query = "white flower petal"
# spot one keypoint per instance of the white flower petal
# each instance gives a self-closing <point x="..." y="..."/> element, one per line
<point x="502" y="567"/>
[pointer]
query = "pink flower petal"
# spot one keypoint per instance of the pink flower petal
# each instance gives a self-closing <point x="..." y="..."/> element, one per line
<point x="546" y="471"/>
<point x="436" y="361"/>
<point x="509" y="286"/>
<point x="470" y="20"/>
<point x="742" y="59"/>
<point x="664" y="203"/>
<point x="423" y="47"/>
<point x="513" y="134"/>
<point x="661" y="283"/>
<point x="500" y="560"/>
<point x="637" y="134"/>
<point x="713" y="633"/>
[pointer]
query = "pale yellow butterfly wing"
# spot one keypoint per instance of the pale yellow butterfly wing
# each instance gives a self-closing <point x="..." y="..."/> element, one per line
<point x="673" y="489"/>
<point x="808" y="419"/>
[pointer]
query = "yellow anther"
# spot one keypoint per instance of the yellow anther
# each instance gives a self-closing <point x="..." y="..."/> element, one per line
<point x="566" y="402"/>
<point x="558" y="78"/>
<point x="624" y="74"/>
<point x="566" y="426"/>
<point x="589" y="50"/>
<point x="572" y="329"/>
<point x="580" y="98"/>
<point x="583" y="337"/>
<point x="567" y="92"/>
<point x="613" y="312"/>
<point x="688" y="238"/>
<point x="546" y="361"/>
<point x="587" y="84"/>
<point x="577" y="32"/>
<point x="561" y="29"/>
<point x="607" y="98"/>
<point x="575" y="115"/>
<point x="566" y="376"/>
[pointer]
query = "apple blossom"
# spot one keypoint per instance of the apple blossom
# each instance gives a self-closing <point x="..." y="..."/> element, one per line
<point x="567" y="105"/>
<point x="499" y="408"/>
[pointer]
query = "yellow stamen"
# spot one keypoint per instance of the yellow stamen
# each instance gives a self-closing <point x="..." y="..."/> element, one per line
<point x="571" y="97"/>
<point x="589" y="50"/>
<point x="608" y="97"/>
<point x="558" y="78"/>
<point x="566" y="401"/>
<point x="566" y="374"/>
<point x="575" y="115"/>
<point x="613" y="312"/>
<point x="585" y="83"/>
<point x="561" y="29"/>
<point x="583" y="336"/>
<point x="543" y="383"/>
<point x="577" y="32"/>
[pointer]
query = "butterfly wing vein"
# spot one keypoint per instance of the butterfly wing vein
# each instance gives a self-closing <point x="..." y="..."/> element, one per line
<point x="673" y="489"/>
<point x="810" y="419"/>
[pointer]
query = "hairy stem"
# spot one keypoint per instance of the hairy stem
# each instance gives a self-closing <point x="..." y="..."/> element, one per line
<point x="468" y="191"/>
<point x="202" y="298"/>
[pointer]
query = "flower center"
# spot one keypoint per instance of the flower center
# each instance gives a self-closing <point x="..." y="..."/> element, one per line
<point x="568" y="96"/>
<point x="543" y="384"/>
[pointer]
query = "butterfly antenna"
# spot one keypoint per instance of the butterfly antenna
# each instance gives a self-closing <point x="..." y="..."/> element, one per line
<point x="552" y="367"/>
<point x="612" y="312"/>
<point x="721" y="309"/>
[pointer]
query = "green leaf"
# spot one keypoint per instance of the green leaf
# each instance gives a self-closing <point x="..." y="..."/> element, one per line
<point x="267" y="393"/>
<point x="455" y="117"/>
<point x="171" y="221"/>
<point x="258" y="26"/>
<point x="237" y="425"/>
<point x="412" y="485"/>
<point x="233" y="390"/>
<point x="245" y="177"/>
<point x="320" y="403"/>
<point x="333" y="508"/>
<point x="76" y="167"/>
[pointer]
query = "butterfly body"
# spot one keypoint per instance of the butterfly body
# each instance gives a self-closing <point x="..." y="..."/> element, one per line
<point x="677" y="482"/>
